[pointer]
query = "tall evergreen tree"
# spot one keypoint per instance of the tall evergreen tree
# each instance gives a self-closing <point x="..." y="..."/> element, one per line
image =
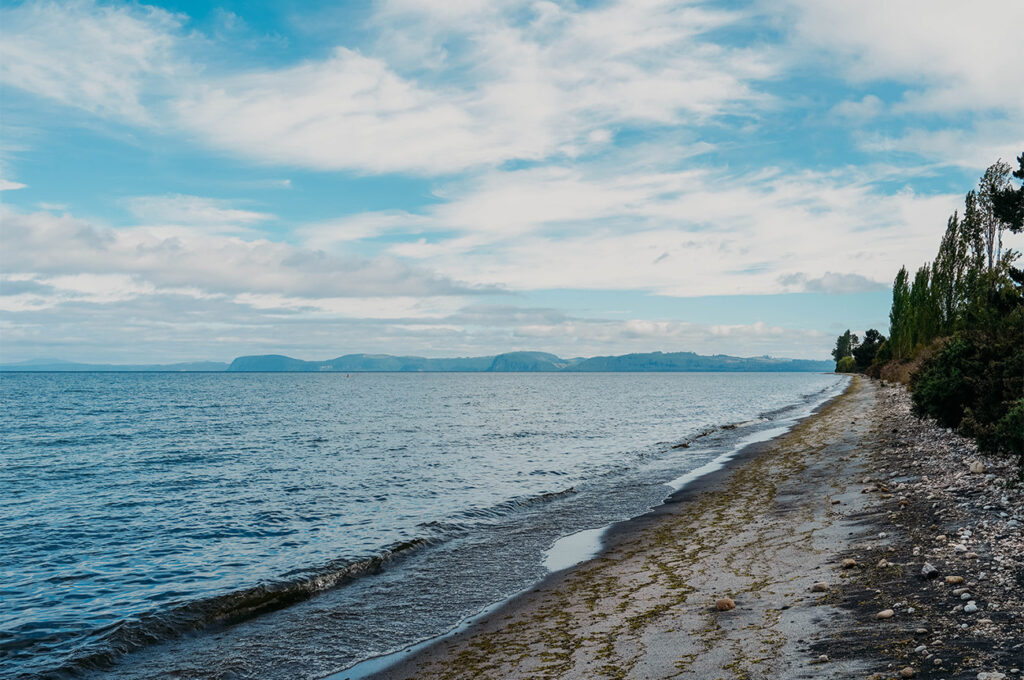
<point x="899" y="316"/>
<point x="991" y="188"/>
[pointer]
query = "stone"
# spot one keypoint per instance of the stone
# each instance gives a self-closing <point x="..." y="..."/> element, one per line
<point x="823" y="658"/>
<point x="908" y="672"/>
<point x="883" y="563"/>
<point x="885" y="614"/>
<point x="991" y="675"/>
<point x="965" y="596"/>
<point x="724" y="604"/>
<point x="954" y="580"/>
<point x="929" y="570"/>
<point x="848" y="563"/>
<point x="970" y="608"/>
<point x="819" y="587"/>
<point x="977" y="467"/>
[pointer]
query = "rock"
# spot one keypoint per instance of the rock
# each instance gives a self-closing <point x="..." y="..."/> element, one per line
<point x="885" y="614"/>
<point x="954" y="580"/>
<point x="883" y="563"/>
<point x="819" y="587"/>
<point x="977" y="467"/>
<point x="937" y="662"/>
<point x="848" y="563"/>
<point x="908" y="672"/>
<point x="929" y="570"/>
<point x="823" y="658"/>
<point x="965" y="596"/>
<point x="991" y="675"/>
<point x="970" y="608"/>
<point x="725" y="604"/>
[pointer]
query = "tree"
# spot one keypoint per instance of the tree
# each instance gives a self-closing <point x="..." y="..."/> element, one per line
<point x="866" y="351"/>
<point x="924" y="321"/>
<point x="1008" y="203"/>
<point x="992" y="187"/>
<point x="845" y="345"/>
<point x="899" y="316"/>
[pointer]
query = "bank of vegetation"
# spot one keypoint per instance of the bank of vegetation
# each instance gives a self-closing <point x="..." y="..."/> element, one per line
<point x="956" y="326"/>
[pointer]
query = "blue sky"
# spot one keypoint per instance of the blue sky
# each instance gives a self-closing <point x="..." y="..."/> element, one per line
<point x="203" y="180"/>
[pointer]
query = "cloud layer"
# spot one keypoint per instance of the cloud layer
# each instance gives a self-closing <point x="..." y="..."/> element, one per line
<point x="646" y="147"/>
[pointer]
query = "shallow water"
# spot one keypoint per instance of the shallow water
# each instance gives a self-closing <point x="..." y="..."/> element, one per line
<point x="289" y="525"/>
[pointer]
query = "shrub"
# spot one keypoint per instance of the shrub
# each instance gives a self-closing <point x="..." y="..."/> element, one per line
<point x="846" y="365"/>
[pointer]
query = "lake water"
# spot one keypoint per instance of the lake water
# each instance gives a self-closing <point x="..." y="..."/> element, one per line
<point x="290" y="525"/>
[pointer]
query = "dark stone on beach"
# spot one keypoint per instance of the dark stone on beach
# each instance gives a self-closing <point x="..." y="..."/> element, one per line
<point x="929" y="570"/>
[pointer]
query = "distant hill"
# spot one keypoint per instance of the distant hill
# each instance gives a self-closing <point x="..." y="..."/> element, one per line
<point x="534" y="362"/>
<point x="688" y="361"/>
<point x="359" y="362"/>
<point x="509" y="362"/>
<point x="528" y="362"/>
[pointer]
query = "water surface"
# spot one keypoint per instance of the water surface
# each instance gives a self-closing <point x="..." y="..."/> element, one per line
<point x="289" y="525"/>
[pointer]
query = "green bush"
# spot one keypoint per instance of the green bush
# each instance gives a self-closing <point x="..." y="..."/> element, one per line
<point x="976" y="382"/>
<point x="846" y="365"/>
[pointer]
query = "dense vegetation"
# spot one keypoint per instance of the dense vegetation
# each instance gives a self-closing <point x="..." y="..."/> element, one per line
<point x="964" y="314"/>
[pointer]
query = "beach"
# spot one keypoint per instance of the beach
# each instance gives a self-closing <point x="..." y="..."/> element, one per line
<point x="802" y="557"/>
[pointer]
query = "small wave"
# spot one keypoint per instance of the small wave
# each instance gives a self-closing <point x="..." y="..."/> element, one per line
<point x="462" y="522"/>
<point x="226" y="610"/>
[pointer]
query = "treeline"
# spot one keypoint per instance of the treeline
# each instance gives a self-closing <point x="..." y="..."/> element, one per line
<point x="964" y="312"/>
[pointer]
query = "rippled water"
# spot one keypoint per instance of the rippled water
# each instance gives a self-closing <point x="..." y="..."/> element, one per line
<point x="289" y="525"/>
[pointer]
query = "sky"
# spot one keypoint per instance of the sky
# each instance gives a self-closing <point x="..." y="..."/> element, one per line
<point x="189" y="181"/>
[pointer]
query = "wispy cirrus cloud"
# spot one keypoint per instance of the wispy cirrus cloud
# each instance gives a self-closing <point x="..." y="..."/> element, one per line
<point x="526" y="84"/>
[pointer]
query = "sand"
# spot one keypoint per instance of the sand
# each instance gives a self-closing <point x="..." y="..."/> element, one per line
<point x="811" y="536"/>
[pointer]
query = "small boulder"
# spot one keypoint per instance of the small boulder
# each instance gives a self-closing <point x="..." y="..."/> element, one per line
<point x="819" y="587"/>
<point x="929" y="570"/>
<point x="848" y="563"/>
<point x="954" y="580"/>
<point x="908" y="672"/>
<point x="977" y="467"/>
<point x="970" y="608"/>
<point x="885" y="614"/>
<point x="724" y="604"/>
<point x="991" y="675"/>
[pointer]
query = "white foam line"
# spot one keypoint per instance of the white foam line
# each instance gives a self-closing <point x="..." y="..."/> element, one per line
<point x="568" y="551"/>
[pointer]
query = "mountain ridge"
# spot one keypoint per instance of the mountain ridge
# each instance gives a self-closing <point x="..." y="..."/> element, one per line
<point x="506" y="362"/>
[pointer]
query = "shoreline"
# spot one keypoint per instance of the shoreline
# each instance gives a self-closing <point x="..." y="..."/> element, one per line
<point x="812" y="535"/>
<point x="398" y="664"/>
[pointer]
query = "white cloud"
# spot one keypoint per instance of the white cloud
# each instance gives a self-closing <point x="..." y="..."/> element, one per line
<point x="103" y="59"/>
<point x="548" y="81"/>
<point x="867" y="107"/>
<point x="684" y="233"/>
<point x="199" y="211"/>
<point x="8" y="185"/>
<point x="830" y="282"/>
<point x="77" y="255"/>
<point x="957" y="56"/>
